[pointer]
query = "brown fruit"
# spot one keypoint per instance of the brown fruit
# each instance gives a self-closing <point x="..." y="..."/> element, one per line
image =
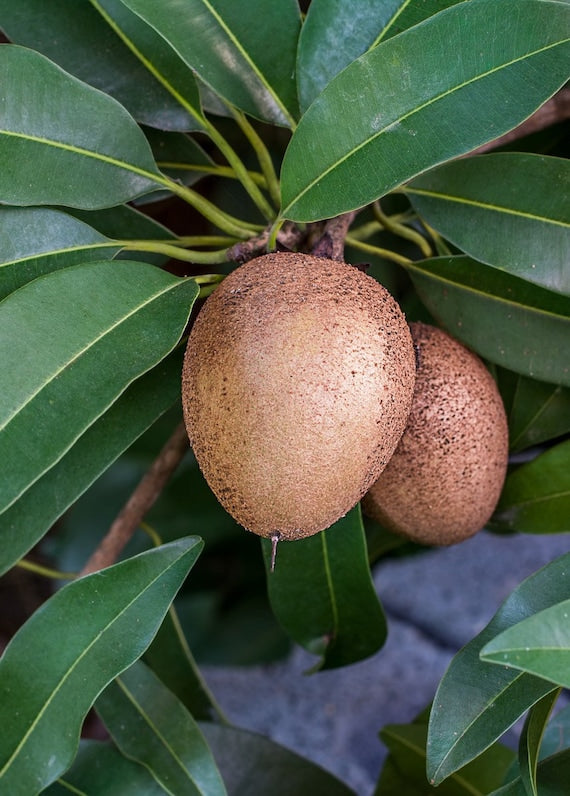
<point x="446" y="475"/>
<point x="297" y="382"/>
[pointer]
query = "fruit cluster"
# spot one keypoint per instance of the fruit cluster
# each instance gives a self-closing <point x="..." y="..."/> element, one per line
<point x="305" y="390"/>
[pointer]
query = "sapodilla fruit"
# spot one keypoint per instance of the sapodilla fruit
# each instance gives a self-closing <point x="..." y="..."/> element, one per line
<point x="446" y="475"/>
<point x="297" y="383"/>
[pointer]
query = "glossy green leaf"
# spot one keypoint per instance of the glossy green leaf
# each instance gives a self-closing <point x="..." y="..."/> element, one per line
<point x="252" y="765"/>
<point x="245" y="52"/>
<point x="69" y="650"/>
<point x="37" y="240"/>
<point x="125" y="222"/>
<point x="179" y="157"/>
<point x="539" y="645"/>
<point x="507" y="209"/>
<point x="536" y="496"/>
<point x="70" y="357"/>
<point x="407" y="105"/>
<point x="531" y="739"/>
<point x="99" y="769"/>
<point x="41" y="146"/>
<point x="476" y="702"/>
<point x="96" y="54"/>
<point x="151" y="726"/>
<point x="407" y="745"/>
<point x="553" y="776"/>
<point x="412" y="12"/>
<point x="525" y="327"/>
<point x="171" y="659"/>
<point x="557" y="734"/>
<point x="34" y="513"/>
<point x="336" y="32"/>
<point x="536" y="411"/>
<point x="322" y="593"/>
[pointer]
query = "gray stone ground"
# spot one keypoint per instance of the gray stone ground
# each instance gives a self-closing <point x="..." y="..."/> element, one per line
<point x="435" y="603"/>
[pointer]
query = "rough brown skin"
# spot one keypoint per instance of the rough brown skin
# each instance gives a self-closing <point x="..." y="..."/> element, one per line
<point x="446" y="476"/>
<point x="297" y="382"/>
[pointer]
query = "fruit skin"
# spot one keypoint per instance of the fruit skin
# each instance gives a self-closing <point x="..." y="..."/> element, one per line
<point x="446" y="475"/>
<point x="297" y="381"/>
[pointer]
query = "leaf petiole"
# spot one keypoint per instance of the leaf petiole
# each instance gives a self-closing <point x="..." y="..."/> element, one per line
<point x="387" y="254"/>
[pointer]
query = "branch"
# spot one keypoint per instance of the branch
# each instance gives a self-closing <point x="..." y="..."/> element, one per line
<point x="287" y="238"/>
<point x="557" y="109"/>
<point x="331" y="242"/>
<point x="140" y="502"/>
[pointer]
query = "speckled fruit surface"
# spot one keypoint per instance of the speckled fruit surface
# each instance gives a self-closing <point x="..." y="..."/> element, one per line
<point x="297" y="383"/>
<point x="446" y="475"/>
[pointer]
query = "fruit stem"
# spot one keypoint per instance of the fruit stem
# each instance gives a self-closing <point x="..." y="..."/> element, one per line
<point x="275" y="537"/>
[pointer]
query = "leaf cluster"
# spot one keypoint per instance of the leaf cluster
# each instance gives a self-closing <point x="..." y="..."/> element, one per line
<point x="147" y="148"/>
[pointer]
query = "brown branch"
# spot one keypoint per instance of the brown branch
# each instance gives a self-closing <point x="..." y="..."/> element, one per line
<point x="287" y="238"/>
<point x="557" y="109"/>
<point x="331" y="242"/>
<point x="140" y="502"/>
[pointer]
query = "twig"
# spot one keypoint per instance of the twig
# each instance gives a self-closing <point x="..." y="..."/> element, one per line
<point x="140" y="502"/>
<point x="287" y="238"/>
<point x="557" y="109"/>
<point x="331" y="242"/>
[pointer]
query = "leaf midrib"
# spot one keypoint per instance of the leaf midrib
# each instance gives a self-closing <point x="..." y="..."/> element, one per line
<point x="237" y="44"/>
<point x="411" y="113"/>
<point x="155" y="177"/>
<point x="78" y="660"/>
<point x="156" y="73"/>
<point x="150" y="723"/>
<point x="108" y="244"/>
<point x="80" y="352"/>
<point x="486" y="206"/>
<point x="492" y="296"/>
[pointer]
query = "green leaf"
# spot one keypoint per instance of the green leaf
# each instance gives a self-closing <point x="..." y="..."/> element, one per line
<point x="336" y="32"/>
<point x="407" y="745"/>
<point x="70" y="357"/>
<point x="526" y="327"/>
<point x="252" y="765"/>
<point x="557" y="734"/>
<point x="170" y="657"/>
<point x="94" y="53"/>
<point x="537" y="411"/>
<point x="34" y="513"/>
<point x="476" y="702"/>
<point x="69" y="650"/>
<point x="553" y="776"/>
<point x="41" y="146"/>
<point x="408" y="104"/>
<point x="245" y="52"/>
<point x="531" y="739"/>
<point x="151" y="726"/>
<point x="37" y="240"/>
<point x="536" y="496"/>
<point x="539" y="644"/>
<point x="179" y="157"/>
<point x="123" y="222"/>
<point x="509" y="210"/>
<point x="322" y="593"/>
<point x="99" y="769"/>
